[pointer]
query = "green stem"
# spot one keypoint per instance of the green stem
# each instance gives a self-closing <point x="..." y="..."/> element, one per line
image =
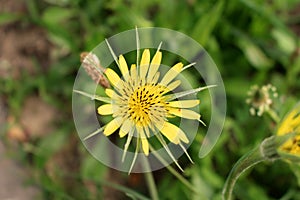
<point x="173" y="171"/>
<point x="182" y="179"/>
<point x="150" y="180"/>
<point x="250" y="159"/>
<point x="273" y="115"/>
<point x="266" y="151"/>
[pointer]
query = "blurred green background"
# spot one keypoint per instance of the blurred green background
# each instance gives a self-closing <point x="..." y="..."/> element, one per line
<point x="251" y="41"/>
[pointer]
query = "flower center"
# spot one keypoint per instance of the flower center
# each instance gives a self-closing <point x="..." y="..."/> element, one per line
<point x="144" y="101"/>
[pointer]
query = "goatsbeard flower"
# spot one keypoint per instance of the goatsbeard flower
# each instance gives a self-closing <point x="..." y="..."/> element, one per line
<point x="141" y="102"/>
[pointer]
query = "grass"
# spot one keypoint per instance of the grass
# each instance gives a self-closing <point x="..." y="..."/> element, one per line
<point x="251" y="41"/>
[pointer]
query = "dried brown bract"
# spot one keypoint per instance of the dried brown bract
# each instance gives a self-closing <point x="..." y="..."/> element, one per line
<point x="92" y="66"/>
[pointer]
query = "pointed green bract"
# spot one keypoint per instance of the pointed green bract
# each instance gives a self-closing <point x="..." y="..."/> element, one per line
<point x="94" y="97"/>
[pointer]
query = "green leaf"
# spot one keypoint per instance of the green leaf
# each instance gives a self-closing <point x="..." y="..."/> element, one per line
<point x="254" y="54"/>
<point x="284" y="40"/>
<point x="54" y="15"/>
<point x="206" y="24"/>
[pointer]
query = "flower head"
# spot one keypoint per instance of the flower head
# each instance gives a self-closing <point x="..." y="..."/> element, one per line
<point x="140" y="102"/>
<point x="291" y="124"/>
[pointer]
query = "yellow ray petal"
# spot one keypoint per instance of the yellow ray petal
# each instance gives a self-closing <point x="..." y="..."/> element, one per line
<point x="112" y="126"/>
<point x="112" y="94"/>
<point x="113" y="77"/>
<point x="171" y="132"/>
<point x="156" y="77"/>
<point x="125" y="128"/>
<point x="188" y="114"/>
<point x="145" y="144"/>
<point x="162" y="141"/>
<point x="147" y="131"/>
<point x="173" y="85"/>
<point x="183" y="137"/>
<point x="109" y="92"/>
<point x="144" y="65"/>
<point x="151" y="127"/>
<point x="155" y="63"/>
<point x="133" y="72"/>
<point x="290" y="122"/>
<point x="184" y="103"/>
<point x="106" y="109"/>
<point x="171" y="74"/>
<point x="123" y="67"/>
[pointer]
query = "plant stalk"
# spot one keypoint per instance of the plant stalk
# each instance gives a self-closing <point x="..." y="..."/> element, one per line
<point x="173" y="171"/>
<point x="266" y="151"/>
<point x="248" y="160"/>
<point x="150" y="180"/>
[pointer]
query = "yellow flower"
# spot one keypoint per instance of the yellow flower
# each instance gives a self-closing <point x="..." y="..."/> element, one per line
<point x="291" y="124"/>
<point x="139" y="102"/>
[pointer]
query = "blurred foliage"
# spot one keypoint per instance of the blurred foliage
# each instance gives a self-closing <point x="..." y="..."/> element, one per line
<point x="251" y="41"/>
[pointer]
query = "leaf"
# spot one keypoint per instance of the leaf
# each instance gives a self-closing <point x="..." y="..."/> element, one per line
<point x="206" y="24"/>
<point x="63" y="36"/>
<point x="254" y="54"/>
<point x="54" y="15"/>
<point x="284" y="40"/>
